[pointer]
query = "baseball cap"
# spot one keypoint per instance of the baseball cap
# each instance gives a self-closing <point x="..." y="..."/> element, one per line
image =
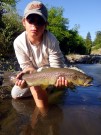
<point x="36" y="7"/>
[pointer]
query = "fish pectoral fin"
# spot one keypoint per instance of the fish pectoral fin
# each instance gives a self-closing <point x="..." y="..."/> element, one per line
<point x="43" y="87"/>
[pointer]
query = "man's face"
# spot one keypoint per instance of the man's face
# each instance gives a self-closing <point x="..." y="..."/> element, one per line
<point x="34" y="25"/>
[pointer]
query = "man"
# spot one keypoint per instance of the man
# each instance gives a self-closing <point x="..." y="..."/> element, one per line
<point x="35" y="48"/>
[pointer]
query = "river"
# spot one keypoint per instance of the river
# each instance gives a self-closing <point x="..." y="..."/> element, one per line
<point x="77" y="113"/>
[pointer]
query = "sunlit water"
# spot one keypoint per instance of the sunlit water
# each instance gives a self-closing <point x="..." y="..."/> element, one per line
<point x="77" y="113"/>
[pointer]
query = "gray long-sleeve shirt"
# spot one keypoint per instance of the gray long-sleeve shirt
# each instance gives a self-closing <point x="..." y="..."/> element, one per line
<point x="46" y="54"/>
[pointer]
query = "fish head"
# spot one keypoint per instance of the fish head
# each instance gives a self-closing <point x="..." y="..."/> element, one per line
<point x="87" y="81"/>
<point x="82" y="80"/>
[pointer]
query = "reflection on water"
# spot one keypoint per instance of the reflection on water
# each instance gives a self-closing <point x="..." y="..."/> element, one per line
<point x="78" y="113"/>
<point x="44" y="125"/>
<point x="82" y="120"/>
<point x="26" y="119"/>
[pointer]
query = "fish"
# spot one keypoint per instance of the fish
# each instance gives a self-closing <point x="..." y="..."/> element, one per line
<point x="48" y="77"/>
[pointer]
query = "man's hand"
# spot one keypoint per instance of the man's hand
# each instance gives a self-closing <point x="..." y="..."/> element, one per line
<point x="19" y="82"/>
<point x="22" y="83"/>
<point x="61" y="82"/>
<point x="29" y="70"/>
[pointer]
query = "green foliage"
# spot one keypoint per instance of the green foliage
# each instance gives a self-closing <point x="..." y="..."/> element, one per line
<point x="12" y="26"/>
<point x="57" y="24"/>
<point x="70" y="41"/>
<point x="97" y="41"/>
<point x="88" y="43"/>
<point x="5" y="7"/>
<point x="5" y="4"/>
<point x="73" y="44"/>
<point x="10" y="2"/>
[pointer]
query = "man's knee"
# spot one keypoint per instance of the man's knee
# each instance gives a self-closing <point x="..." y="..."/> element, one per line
<point x="17" y="92"/>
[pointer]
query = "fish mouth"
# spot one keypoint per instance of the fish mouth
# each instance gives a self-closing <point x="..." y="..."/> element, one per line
<point x="88" y="83"/>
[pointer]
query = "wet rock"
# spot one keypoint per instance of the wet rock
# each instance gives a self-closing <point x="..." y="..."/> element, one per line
<point x="5" y="85"/>
<point x="83" y="59"/>
<point x="5" y="92"/>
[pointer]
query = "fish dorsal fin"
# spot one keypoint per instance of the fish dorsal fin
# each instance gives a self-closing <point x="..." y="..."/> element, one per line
<point x="43" y="68"/>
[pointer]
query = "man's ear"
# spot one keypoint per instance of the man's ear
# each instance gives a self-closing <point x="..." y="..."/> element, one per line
<point x="46" y="24"/>
<point x="23" y="22"/>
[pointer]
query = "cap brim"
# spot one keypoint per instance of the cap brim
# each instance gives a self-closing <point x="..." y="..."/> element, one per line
<point x="35" y="12"/>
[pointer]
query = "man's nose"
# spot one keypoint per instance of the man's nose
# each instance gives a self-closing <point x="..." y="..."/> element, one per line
<point x="34" y="26"/>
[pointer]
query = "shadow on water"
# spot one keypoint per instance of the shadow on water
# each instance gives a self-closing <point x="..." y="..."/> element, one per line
<point x="78" y="113"/>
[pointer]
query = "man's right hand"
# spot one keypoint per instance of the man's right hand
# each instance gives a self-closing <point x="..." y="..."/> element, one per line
<point x="22" y="83"/>
<point x="19" y="82"/>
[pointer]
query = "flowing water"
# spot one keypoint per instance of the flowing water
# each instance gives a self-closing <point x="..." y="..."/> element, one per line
<point x="77" y="113"/>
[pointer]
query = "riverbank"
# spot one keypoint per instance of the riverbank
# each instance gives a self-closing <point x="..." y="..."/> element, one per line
<point x="83" y="59"/>
<point x="11" y="64"/>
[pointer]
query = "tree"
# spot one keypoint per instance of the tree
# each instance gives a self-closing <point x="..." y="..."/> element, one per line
<point x="13" y="28"/>
<point x="88" y="43"/>
<point x="9" y="30"/>
<point x="58" y="25"/>
<point x="70" y="41"/>
<point x="3" y="5"/>
<point x="97" y="41"/>
<point x="73" y="43"/>
<point x="4" y="8"/>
